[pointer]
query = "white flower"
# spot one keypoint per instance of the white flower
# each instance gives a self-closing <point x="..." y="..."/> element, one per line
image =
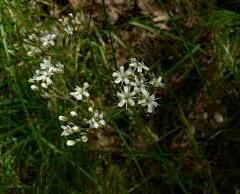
<point x="73" y="113"/>
<point x="34" y="87"/>
<point x="139" y="84"/>
<point x="218" y="117"/>
<point x="46" y="64"/>
<point x="62" y="118"/>
<point x="44" y="85"/>
<point x="156" y="82"/>
<point x="43" y="76"/>
<point x="75" y="128"/>
<point x="48" y="40"/>
<point x="97" y="120"/>
<point x="31" y="80"/>
<point x="45" y="73"/>
<point x="148" y="101"/>
<point x="126" y="97"/>
<point x="138" y="65"/>
<point x="68" y="29"/>
<point x="33" y="39"/>
<point x="70" y="142"/>
<point x="80" y="92"/>
<point x="67" y="130"/>
<point x="70" y="23"/>
<point x="90" y="109"/>
<point x="122" y="76"/>
<point x="84" y="138"/>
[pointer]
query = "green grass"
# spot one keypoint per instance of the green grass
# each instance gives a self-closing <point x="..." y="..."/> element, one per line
<point x="199" y="60"/>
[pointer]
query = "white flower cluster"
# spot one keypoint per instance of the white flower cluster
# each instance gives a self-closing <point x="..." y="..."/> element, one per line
<point x="76" y="124"/>
<point x="43" y="76"/>
<point x="69" y="127"/>
<point x="70" y="23"/>
<point x="42" y="80"/>
<point x="34" y="43"/>
<point x="95" y="119"/>
<point x="136" y="84"/>
<point x="48" y="40"/>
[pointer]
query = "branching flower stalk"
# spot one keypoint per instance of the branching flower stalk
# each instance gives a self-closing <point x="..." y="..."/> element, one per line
<point x="136" y="86"/>
<point x="77" y="124"/>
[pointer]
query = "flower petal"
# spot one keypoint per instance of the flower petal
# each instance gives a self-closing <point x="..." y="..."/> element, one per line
<point x="121" y="103"/>
<point x="131" y="102"/>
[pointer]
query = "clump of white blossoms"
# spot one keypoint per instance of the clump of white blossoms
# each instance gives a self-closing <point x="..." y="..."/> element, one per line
<point x="74" y="125"/>
<point x="31" y="46"/>
<point x="42" y="77"/>
<point x="70" y="127"/>
<point x="82" y="120"/>
<point x="137" y="86"/>
<point x="34" y="43"/>
<point x="48" y="40"/>
<point x="70" y="23"/>
<point x="97" y="120"/>
<point x="80" y="131"/>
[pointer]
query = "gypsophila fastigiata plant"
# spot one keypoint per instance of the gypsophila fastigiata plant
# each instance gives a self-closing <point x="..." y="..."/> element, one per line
<point x="137" y="86"/>
<point x="50" y="80"/>
<point x="77" y="123"/>
<point x="82" y="119"/>
<point x="36" y="43"/>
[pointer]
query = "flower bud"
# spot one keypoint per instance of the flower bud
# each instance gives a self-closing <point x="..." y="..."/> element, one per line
<point x="73" y="113"/>
<point x="62" y="118"/>
<point x="34" y="87"/>
<point x="70" y="142"/>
